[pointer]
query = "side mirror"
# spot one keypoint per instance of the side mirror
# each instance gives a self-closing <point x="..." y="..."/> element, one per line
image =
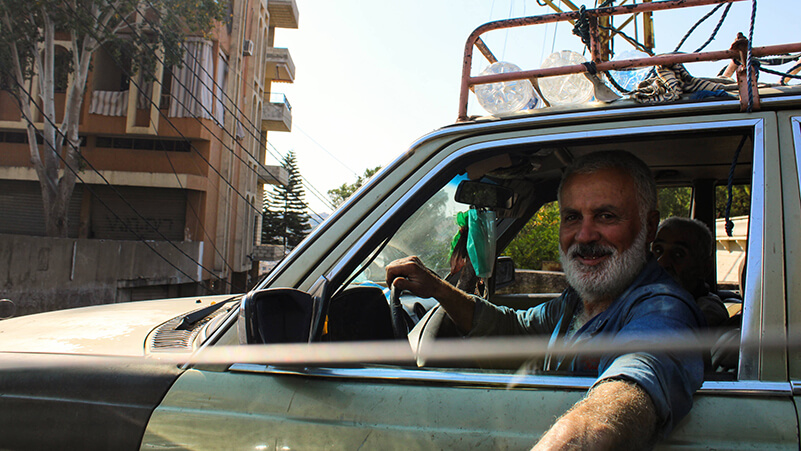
<point x="484" y="195"/>
<point x="275" y="315"/>
<point x="504" y="272"/>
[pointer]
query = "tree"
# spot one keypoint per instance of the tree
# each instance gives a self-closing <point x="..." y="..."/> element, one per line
<point x="285" y="220"/>
<point x="30" y="58"/>
<point x="538" y="241"/>
<point x="340" y="195"/>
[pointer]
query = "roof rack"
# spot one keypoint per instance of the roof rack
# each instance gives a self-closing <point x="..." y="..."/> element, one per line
<point x="749" y="98"/>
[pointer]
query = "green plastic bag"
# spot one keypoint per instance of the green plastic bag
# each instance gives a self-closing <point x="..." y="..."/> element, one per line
<point x="481" y="241"/>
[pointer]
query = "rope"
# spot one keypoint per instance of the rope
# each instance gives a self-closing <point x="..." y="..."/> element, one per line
<point x="729" y="186"/>
<point x="615" y="83"/>
<point x="582" y="27"/>
<point x="692" y="29"/>
<point x="776" y="72"/>
<point x="717" y="27"/>
<point x="749" y="68"/>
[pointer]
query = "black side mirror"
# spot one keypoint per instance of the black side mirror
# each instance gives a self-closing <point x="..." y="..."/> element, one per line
<point x="275" y="315"/>
<point x="484" y="195"/>
<point x="504" y="272"/>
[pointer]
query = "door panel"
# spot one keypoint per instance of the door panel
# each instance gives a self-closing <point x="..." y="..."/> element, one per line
<point x="230" y="410"/>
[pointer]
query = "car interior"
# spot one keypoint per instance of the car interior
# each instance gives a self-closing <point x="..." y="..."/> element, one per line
<point x="517" y="181"/>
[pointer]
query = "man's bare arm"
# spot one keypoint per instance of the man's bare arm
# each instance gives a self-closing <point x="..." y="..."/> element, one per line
<point x="614" y="415"/>
<point x="410" y="274"/>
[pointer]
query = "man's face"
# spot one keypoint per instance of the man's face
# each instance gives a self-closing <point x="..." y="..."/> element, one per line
<point x="675" y="249"/>
<point x="603" y="239"/>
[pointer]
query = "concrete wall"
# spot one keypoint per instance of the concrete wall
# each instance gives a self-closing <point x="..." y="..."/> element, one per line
<point x="528" y="281"/>
<point x="41" y="274"/>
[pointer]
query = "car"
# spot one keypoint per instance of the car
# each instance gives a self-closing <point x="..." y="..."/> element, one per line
<point x="322" y="354"/>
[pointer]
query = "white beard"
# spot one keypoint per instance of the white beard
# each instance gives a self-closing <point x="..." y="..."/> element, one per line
<point x="609" y="279"/>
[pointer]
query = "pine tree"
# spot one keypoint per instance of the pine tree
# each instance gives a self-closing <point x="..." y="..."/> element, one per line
<point x="285" y="220"/>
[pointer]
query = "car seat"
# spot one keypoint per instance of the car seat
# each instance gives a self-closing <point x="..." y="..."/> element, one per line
<point x="359" y="313"/>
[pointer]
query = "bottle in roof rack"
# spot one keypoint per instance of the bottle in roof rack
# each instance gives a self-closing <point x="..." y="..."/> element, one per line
<point x="507" y="96"/>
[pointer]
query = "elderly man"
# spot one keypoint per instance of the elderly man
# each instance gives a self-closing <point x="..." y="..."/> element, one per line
<point x="608" y="217"/>
<point x="684" y="247"/>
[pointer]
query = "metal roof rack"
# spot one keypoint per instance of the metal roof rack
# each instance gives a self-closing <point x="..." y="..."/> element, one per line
<point x="737" y="52"/>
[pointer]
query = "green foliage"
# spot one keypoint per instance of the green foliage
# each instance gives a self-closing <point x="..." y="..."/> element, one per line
<point x="28" y="53"/>
<point x="740" y="204"/>
<point x="340" y="195"/>
<point x="538" y="241"/>
<point x="285" y="220"/>
<point x="674" y="201"/>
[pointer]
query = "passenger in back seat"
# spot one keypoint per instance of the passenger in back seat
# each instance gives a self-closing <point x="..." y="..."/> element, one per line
<point x="684" y="248"/>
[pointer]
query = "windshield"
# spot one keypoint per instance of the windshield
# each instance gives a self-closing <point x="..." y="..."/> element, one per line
<point x="427" y="234"/>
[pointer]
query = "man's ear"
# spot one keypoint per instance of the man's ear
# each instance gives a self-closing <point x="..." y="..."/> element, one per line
<point x="652" y="222"/>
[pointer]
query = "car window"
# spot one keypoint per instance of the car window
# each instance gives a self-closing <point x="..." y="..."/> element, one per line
<point x="528" y="233"/>
<point x="426" y="234"/>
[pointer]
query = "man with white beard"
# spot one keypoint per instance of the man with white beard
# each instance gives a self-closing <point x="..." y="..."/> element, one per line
<point x="609" y="216"/>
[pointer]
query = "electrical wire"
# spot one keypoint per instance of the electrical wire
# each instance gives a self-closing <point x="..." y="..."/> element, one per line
<point x="227" y="97"/>
<point x="88" y="186"/>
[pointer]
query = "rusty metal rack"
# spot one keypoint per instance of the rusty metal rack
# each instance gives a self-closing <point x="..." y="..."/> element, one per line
<point x="738" y="50"/>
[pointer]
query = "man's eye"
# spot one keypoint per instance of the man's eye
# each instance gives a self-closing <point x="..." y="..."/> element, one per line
<point x="657" y="250"/>
<point x="606" y="216"/>
<point x="678" y="254"/>
<point x="570" y="218"/>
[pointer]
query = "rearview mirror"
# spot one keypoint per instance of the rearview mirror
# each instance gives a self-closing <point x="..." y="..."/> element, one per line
<point x="275" y="315"/>
<point x="484" y="195"/>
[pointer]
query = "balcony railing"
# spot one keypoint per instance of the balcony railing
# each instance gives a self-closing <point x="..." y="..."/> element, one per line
<point x="276" y="115"/>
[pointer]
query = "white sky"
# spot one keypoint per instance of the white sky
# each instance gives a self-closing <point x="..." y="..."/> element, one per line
<point x="374" y="76"/>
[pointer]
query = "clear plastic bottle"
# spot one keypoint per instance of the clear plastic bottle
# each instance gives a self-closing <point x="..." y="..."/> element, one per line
<point x="565" y="89"/>
<point x="629" y="79"/>
<point x="505" y="97"/>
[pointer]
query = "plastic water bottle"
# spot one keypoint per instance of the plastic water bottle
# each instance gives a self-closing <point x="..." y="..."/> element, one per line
<point x="508" y="96"/>
<point x="565" y="89"/>
<point x="629" y="79"/>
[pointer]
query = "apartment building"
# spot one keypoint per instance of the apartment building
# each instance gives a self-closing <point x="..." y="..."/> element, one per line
<point x="169" y="201"/>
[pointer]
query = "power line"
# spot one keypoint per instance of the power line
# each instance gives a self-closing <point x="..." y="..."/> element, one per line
<point x="221" y="90"/>
<point x="245" y="116"/>
<point x="88" y="186"/>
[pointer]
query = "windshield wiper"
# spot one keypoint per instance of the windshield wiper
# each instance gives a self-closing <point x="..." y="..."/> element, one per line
<point x="188" y="321"/>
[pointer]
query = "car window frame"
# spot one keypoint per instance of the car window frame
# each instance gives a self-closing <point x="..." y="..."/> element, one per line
<point x="750" y="358"/>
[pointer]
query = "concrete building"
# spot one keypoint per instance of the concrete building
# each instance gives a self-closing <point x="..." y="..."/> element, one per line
<point x="170" y="201"/>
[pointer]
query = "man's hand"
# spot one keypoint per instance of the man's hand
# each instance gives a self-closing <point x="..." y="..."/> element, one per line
<point x="411" y="274"/>
<point x="615" y="415"/>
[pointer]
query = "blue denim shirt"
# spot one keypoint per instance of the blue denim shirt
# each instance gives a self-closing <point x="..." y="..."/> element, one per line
<point x="652" y="306"/>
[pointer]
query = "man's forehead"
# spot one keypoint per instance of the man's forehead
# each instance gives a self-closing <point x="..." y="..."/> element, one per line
<point x="615" y="179"/>
<point x="677" y="235"/>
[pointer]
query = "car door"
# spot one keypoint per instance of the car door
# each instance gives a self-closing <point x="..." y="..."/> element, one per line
<point x="790" y="138"/>
<point x="394" y="406"/>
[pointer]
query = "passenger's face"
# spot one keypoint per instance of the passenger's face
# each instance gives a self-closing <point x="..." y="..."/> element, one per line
<point x="603" y="238"/>
<point x="674" y="249"/>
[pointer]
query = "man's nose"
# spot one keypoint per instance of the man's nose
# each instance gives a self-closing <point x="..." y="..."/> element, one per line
<point x="664" y="260"/>
<point x="588" y="232"/>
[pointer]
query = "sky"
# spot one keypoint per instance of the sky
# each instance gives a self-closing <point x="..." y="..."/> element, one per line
<point x="374" y="76"/>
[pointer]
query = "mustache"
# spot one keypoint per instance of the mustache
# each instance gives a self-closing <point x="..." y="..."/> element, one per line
<point x="591" y="250"/>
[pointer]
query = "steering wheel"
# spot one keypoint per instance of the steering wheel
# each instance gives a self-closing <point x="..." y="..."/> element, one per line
<point x="434" y="325"/>
<point x="400" y="325"/>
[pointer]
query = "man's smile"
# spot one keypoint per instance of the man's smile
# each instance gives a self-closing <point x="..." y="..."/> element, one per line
<point x="590" y="254"/>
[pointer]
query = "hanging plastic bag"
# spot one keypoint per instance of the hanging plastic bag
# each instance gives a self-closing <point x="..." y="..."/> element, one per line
<point x="481" y="241"/>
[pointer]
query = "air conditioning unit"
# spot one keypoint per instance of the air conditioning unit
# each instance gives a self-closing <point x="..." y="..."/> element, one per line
<point x="247" y="47"/>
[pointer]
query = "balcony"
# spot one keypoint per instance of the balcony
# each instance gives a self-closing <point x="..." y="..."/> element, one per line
<point x="279" y="66"/>
<point x="273" y="175"/>
<point x="276" y="116"/>
<point x="283" y="13"/>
